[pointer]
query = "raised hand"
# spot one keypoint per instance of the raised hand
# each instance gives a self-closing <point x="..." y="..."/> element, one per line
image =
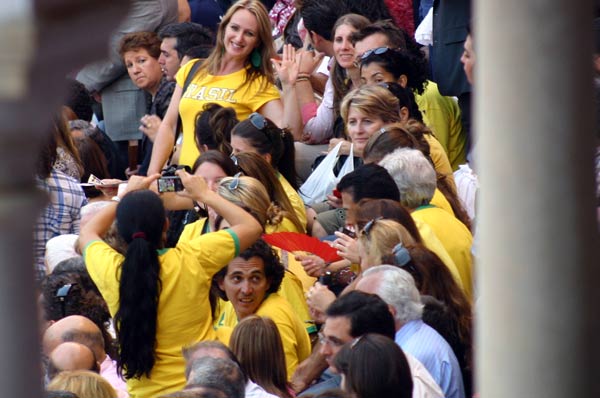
<point x="347" y="247"/>
<point x="287" y="68"/>
<point x="195" y="186"/>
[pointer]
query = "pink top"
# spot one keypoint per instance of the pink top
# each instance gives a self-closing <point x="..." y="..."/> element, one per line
<point x="108" y="370"/>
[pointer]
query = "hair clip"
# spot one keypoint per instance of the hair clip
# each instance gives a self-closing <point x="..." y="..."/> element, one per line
<point x="401" y="255"/>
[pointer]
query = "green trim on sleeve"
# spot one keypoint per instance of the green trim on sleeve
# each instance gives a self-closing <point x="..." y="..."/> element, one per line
<point x="311" y="329"/>
<point x="236" y="241"/>
<point x="88" y="245"/>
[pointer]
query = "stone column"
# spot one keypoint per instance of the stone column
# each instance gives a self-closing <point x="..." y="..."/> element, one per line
<point x="41" y="41"/>
<point x="538" y="322"/>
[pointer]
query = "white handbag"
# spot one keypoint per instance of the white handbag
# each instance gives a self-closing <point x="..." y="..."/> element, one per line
<point x="322" y="180"/>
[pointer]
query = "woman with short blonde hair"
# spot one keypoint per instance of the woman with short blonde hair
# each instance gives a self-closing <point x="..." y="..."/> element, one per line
<point x="83" y="383"/>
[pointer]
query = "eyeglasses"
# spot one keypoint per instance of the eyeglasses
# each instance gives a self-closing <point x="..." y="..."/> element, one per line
<point x="235" y="182"/>
<point x="61" y="294"/>
<point x="369" y="226"/>
<point x="258" y="121"/>
<point x="332" y="341"/>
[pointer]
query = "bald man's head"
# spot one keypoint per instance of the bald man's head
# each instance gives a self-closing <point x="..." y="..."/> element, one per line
<point x="71" y="356"/>
<point x="75" y="328"/>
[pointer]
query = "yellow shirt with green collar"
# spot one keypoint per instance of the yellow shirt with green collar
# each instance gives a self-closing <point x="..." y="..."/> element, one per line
<point x="194" y="229"/>
<point x="440" y="201"/>
<point x="227" y="90"/>
<point x="293" y="284"/>
<point x="184" y="315"/>
<point x="295" y="340"/>
<point x="455" y="237"/>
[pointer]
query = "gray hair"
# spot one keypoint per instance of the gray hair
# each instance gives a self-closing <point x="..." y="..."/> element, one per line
<point x="208" y="348"/>
<point x="397" y="288"/>
<point x="218" y="373"/>
<point x="414" y="175"/>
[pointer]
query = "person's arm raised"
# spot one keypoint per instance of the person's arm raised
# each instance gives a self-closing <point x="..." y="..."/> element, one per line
<point x="165" y="138"/>
<point x="241" y="222"/>
<point x="101" y="222"/>
<point x="287" y="70"/>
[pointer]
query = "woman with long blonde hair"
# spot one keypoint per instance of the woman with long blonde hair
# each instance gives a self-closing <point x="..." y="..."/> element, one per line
<point x="238" y="73"/>
<point x="254" y="165"/>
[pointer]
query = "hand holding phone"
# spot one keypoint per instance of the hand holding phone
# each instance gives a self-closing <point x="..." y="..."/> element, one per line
<point x="169" y="184"/>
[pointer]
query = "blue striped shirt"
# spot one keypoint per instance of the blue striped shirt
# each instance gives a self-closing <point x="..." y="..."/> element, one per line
<point x="428" y="346"/>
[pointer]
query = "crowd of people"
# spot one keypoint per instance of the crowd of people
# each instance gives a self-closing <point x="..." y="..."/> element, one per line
<point x="172" y="165"/>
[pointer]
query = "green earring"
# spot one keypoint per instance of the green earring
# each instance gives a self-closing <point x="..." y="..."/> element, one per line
<point x="255" y="58"/>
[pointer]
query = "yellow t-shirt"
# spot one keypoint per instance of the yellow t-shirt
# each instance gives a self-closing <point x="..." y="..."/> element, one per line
<point x="183" y="310"/>
<point x="438" y="199"/>
<point x="432" y="242"/>
<point x="440" y="159"/>
<point x="295" y="199"/>
<point x="442" y="115"/>
<point x="286" y="225"/>
<point x="455" y="237"/>
<point x="223" y="90"/>
<point x="295" y="283"/>
<point x="296" y="343"/>
<point x="292" y="290"/>
<point x="193" y="230"/>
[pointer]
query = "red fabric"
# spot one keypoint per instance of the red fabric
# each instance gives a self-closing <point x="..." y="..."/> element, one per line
<point x="402" y="14"/>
